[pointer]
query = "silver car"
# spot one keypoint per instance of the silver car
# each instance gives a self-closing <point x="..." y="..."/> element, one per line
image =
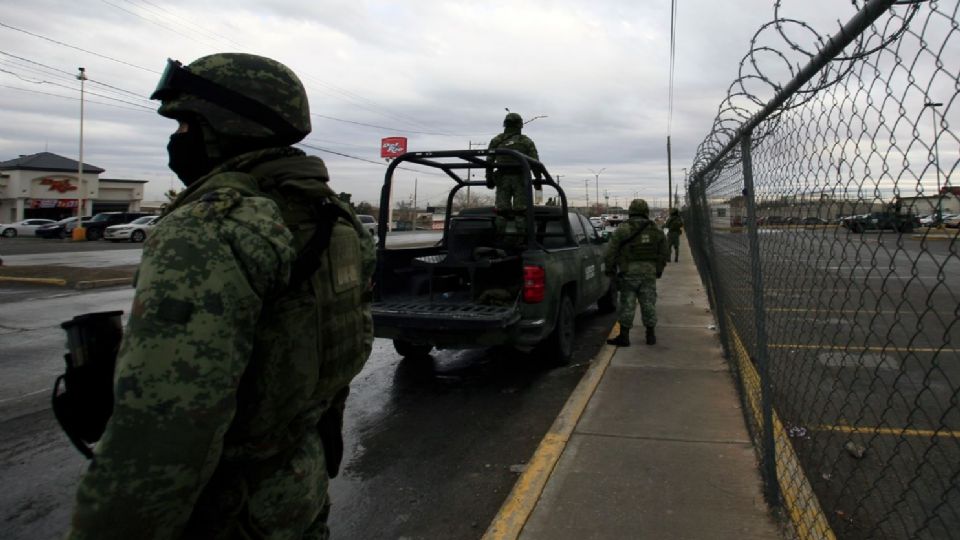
<point x="26" y="227"/>
<point x="135" y="231"/>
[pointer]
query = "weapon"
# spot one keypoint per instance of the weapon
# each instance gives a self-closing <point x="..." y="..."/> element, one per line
<point x="83" y="396"/>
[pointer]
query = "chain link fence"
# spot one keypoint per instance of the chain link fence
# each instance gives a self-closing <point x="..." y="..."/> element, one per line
<point x="838" y="307"/>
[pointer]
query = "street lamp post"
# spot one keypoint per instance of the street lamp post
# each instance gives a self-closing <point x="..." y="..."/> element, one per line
<point x="596" y="177"/>
<point x="82" y="76"/>
<point x="936" y="156"/>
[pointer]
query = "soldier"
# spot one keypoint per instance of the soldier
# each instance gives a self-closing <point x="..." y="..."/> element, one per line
<point x="245" y="331"/>
<point x="674" y="230"/>
<point x="636" y="255"/>
<point x="511" y="199"/>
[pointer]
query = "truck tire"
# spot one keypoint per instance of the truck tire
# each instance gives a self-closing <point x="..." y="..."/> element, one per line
<point x="608" y="302"/>
<point x="557" y="349"/>
<point x="411" y="350"/>
<point x="93" y="234"/>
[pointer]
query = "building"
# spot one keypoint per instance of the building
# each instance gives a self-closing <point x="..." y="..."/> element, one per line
<point x="45" y="185"/>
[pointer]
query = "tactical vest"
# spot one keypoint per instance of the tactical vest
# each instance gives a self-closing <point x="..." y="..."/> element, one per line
<point x="640" y="244"/>
<point x="316" y="335"/>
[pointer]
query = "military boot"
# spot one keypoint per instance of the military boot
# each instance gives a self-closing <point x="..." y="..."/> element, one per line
<point x="651" y="337"/>
<point x="622" y="340"/>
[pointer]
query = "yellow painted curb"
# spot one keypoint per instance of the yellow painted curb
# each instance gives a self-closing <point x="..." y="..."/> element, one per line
<point x="103" y="283"/>
<point x="518" y="506"/>
<point x="37" y="281"/>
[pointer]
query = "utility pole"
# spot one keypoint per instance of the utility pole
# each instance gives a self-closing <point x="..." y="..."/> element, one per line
<point x="586" y="193"/>
<point x="669" y="175"/>
<point x="470" y="171"/>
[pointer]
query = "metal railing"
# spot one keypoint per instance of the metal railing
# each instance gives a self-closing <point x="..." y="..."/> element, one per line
<point x="838" y="310"/>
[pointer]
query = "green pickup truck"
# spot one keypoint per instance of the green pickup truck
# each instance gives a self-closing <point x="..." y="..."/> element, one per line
<point x="474" y="288"/>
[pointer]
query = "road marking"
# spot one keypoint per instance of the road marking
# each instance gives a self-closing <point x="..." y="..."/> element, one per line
<point x="843" y="359"/>
<point x="519" y="505"/>
<point x="28" y="394"/>
<point x="905" y="432"/>
<point x="891" y="348"/>
<point x="39" y="281"/>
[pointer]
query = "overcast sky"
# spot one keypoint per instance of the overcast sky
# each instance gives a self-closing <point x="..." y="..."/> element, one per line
<point x="438" y="72"/>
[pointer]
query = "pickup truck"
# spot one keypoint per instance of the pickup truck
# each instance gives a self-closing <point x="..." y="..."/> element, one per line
<point x="476" y="289"/>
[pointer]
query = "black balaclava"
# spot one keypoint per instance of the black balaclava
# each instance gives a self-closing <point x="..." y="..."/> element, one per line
<point x="188" y="155"/>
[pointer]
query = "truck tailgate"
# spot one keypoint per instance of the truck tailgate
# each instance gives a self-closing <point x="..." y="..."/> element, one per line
<point x="443" y="315"/>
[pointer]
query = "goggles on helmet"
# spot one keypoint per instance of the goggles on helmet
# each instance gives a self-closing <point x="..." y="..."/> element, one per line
<point x="177" y="79"/>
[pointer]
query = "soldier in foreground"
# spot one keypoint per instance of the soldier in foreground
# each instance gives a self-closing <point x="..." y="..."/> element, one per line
<point x="674" y="227"/>
<point x="511" y="200"/>
<point x="244" y="332"/>
<point x="636" y="255"/>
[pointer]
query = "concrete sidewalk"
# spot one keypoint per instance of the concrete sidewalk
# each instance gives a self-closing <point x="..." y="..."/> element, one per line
<point x="658" y="449"/>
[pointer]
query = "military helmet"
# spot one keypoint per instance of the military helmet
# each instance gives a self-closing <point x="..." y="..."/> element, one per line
<point x="238" y="95"/>
<point x="513" y="120"/>
<point x="638" y="207"/>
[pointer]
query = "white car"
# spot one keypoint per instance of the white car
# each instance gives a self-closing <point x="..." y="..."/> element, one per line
<point x="26" y="227"/>
<point x="135" y="231"/>
<point x="369" y="223"/>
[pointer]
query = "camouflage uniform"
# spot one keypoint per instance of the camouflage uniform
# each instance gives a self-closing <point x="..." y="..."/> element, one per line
<point x="674" y="226"/>
<point x="638" y="251"/>
<point x="511" y="196"/>
<point x="230" y="368"/>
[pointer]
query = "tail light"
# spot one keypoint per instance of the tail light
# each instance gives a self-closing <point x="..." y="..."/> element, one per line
<point x="534" y="284"/>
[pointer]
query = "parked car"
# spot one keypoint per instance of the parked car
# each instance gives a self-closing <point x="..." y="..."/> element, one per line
<point x="369" y="223"/>
<point x="931" y="220"/>
<point x="813" y="220"/>
<point x="904" y="223"/>
<point x="60" y="229"/>
<point x="952" y="222"/>
<point x="26" y="227"/>
<point x="135" y="231"/>
<point x="101" y="221"/>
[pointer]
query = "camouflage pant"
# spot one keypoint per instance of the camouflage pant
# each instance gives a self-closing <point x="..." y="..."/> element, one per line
<point x="511" y="203"/>
<point x="634" y="288"/>
<point x="673" y="239"/>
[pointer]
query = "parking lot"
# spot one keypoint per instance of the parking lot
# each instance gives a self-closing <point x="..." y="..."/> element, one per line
<point x="863" y="339"/>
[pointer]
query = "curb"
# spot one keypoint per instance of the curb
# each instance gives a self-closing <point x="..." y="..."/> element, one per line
<point x="96" y="284"/>
<point x="35" y="281"/>
<point x="523" y="498"/>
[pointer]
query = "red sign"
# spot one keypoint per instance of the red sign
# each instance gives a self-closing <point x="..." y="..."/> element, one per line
<point x="391" y="147"/>
<point x="53" y="203"/>
<point x="58" y="185"/>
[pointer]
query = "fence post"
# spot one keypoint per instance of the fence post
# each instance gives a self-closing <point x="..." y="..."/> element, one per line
<point x="769" y="465"/>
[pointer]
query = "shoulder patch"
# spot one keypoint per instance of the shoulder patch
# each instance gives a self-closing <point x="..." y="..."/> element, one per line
<point x="218" y="202"/>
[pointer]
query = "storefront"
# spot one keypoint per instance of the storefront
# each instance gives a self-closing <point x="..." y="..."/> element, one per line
<point x="46" y="185"/>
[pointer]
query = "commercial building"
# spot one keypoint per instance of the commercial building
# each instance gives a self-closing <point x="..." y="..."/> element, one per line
<point x="46" y="185"/>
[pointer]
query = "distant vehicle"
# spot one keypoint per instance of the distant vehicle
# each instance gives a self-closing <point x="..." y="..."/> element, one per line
<point x="903" y="223"/>
<point x="101" y="221"/>
<point x="597" y="222"/>
<point x="952" y="222"/>
<point x="369" y="223"/>
<point x="27" y="227"/>
<point x="60" y="229"/>
<point x="931" y="220"/>
<point x="135" y="231"/>
<point x="813" y="220"/>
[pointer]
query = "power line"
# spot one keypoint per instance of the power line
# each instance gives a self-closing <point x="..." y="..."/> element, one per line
<point x="30" y="91"/>
<point x="673" y="44"/>
<point x="79" y="49"/>
<point x="68" y="74"/>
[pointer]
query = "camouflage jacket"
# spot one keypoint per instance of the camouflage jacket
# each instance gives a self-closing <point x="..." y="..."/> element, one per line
<point x="637" y="247"/>
<point x="512" y="139"/>
<point x="674" y="224"/>
<point x="225" y="368"/>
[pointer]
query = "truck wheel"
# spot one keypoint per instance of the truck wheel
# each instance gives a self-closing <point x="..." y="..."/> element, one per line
<point x="93" y="234"/>
<point x="557" y="349"/>
<point x="411" y="350"/>
<point x="608" y="302"/>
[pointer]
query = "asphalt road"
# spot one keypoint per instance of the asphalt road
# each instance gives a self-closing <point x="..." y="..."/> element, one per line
<point x="432" y="447"/>
<point x="863" y="335"/>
